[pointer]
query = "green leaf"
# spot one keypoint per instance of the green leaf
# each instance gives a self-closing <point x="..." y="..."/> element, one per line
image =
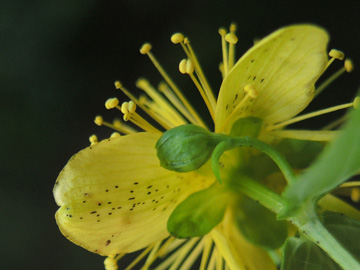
<point x="346" y="230"/>
<point x="259" y="225"/>
<point x="302" y="254"/>
<point x="198" y="214"/>
<point x="339" y="161"/>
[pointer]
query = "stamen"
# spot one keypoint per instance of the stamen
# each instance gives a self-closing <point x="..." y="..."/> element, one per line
<point x="232" y="40"/>
<point x="128" y="109"/>
<point x="111" y="263"/>
<point x="250" y="93"/>
<point x="355" y="103"/>
<point x="125" y="129"/>
<point x="190" y="113"/>
<point x="195" y="253"/>
<point x="177" y="38"/>
<point x="334" y="54"/>
<point x="203" y="81"/>
<point x="93" y="139"/>
<point x="161" y="110"/>
<point x="355" y="194"/>
<point x="222" y="33"/>
<point x="205" y="255"/>
<point x="111" y="103"/>
<point x="115" y="135"/>
<point x="348" y="67"/>
<point x="99" y="120"/>
<point x="177" y="257"/>
<point x="186" y="67"/>
<point x="138" y="258"/>
<point x="205" y="85"/>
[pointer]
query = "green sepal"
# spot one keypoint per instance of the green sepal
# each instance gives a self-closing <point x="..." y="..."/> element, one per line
<point x="346" y="230"/>
<point x="185" y="148"/>
<point x="248" y="126"/>
<point x="199" y="213"/>
<point x="259" y="225"/>
<point x="302" y="254"/>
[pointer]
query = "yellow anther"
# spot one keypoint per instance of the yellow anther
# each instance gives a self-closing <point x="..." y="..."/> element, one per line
<point x="355" y="194"/>
<point x="93" y="139"/>
<point x="222" y="31"/>
<point x="126" y="117"/>
<point x="177" y="38"/>
<point x="186" y="66"/>
<point x="337" y="54"/>
<point x="348" y="65"/>
<point x="115" y="135"/>
<point x="117" y="84"/>
<point x="110" y="264"/>
<point x="231" y="38"/>
<point x="233" y="27"/>
<point x="356" y="102"/>
<point x="189" y="66"/>
<point x="251" y="91"/>
<point x="98" y="120"/>
<point x="131" y="106"/>
<point x="111" y="103"/>
<point x="182" y="66"/>
<point x="142" y="83"/>
<point x="145" y="48"/>
<point x="125" y="108"/>
<point x="186" y="40"/>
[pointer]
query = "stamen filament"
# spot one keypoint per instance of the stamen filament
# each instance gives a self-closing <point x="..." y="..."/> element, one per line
<point x="152" y="256"/>
<point x="119" y="86"/>
<point x="310" y="115"/>
<point x="206" y="252"/>
<point x="190" y="260"/>
<point x="177" y="256"/>
<point x="329" y="80"/>
<point x="138" y="258"/>
<point x="186" y="66"/>
<point x="168" y="112"/>
<point x="123" y="128"/>
<point x="202" y="78"/>
<point x="232" y="40"/>
<point x="190" y="114"/>
<point x="224" y="48"/>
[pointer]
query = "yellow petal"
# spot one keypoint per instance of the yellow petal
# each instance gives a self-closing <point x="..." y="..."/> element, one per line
<point x="115" y="198"/>
<point x="281" y="69"/>
<point x="238" y="253"/>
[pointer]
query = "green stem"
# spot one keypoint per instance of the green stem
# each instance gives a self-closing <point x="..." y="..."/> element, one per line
<point x="316" y="232"/>
<point x="261" y="194"/>
<point x="229" y="143"/>
<point x="307" y="221"/>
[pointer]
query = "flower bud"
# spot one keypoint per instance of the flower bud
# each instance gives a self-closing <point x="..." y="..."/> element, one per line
<point x="185" y="148"/>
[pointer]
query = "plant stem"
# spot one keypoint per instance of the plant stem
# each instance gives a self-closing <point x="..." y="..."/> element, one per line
<point x="316" y="232"/>
<point x="306" y="220"/>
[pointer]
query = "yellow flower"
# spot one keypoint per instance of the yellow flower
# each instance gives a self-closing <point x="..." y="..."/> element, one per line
<point x="115" y="198"/>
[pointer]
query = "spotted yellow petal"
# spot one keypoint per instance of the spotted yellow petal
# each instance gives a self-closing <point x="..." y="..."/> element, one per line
<point x="275" y="79"/>
<point x="115" y="198"/>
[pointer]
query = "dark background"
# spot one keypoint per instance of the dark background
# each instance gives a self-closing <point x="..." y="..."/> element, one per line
<point x="58" y="62"/>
